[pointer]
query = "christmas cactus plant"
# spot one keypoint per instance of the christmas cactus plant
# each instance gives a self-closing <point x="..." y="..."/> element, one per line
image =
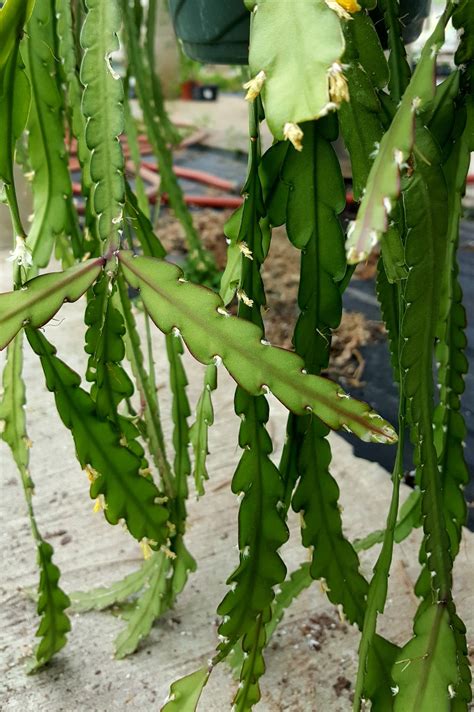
<point x="317" y="70"/>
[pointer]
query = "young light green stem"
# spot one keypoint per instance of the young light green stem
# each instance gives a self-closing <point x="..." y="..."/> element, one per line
<point x="15" y="432"/>
<point x="203" y="261"/>
<point x="151" y="360"/>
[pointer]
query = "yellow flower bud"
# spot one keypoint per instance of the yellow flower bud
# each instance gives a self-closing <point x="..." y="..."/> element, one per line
<point x="343" y="8"/>
<point x="349" y="5"/>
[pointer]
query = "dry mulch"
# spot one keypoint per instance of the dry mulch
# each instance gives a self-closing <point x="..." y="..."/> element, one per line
<point x="281" y="277"/>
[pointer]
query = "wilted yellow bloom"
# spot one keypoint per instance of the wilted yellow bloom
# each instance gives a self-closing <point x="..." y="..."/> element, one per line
<point x="292" y="132"/>
<point x="254" y="86"/>
<point x="338" y="89"/>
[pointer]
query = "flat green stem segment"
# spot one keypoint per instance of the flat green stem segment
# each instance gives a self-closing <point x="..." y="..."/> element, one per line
<point x="54" y="214"/>
<point x="295" y="44"/>
<point x="74" y="89"/>
<point x="147" y="391"/>
<point x="198" y="432"/>
<point x="210" y="332"/>
<point x="40" y="298"/>
<point x="52" y="601"/>
<point x="262" y="530"/>
<point x="15" y="96"/>
<point x="103" y="597"/>
<point x="185" y="692"/>
<point x="377" y="594"/>
<point x="400" y="72"/>
<point x="149" y="606"/>
<point x="102" y="105"/>
<point x="13" y="16"/>
<point x="383" y="184"/>
<point x="290" y="589"/>
<point x="426" y="669"/>
<point x="113" y="469"/>
<point x="180" y="415"/>
<point x="450" y="428"/>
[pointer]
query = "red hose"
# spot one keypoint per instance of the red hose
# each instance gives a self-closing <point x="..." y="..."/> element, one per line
<point x="204" y="201"/>
<point x="197" y="176"/>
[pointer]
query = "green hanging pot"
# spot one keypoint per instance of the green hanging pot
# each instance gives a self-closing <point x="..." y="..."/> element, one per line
<point x="212" y="31"/>
<point x="217" y="31"/>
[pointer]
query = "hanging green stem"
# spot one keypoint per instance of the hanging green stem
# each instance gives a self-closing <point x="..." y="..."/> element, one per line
<point x="400" y="72"/>
<point x="52" y="601"/>
<point x="201" y="260"/>
<point x="246" y="607"/>
<point x="147" y="390"/>
<point x="377" y="593"/>
<point x="52" y="190"/>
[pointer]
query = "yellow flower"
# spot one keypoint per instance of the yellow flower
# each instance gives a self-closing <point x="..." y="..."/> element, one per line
<point x="343" y="8"/>
<point x="292" y="132"/>
<point x="349" y="5"/>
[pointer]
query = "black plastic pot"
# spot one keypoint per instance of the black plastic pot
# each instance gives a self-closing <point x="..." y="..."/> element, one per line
<point x="217" y="31"/>
<point x="212" y="31"/>
<point x="413" y="13"/>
